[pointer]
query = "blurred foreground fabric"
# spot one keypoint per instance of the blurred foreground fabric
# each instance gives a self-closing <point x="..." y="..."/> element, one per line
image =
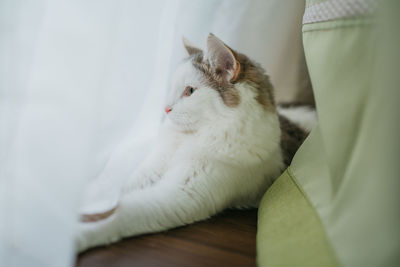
<point x="338" y="202"/>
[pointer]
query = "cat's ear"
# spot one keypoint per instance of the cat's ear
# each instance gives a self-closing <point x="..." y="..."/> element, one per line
<point x="190" y="48"/>
<point x="221" y="58"/>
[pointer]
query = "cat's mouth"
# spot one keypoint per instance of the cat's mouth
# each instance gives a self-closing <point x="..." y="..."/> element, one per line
<point x="184" y="125"/>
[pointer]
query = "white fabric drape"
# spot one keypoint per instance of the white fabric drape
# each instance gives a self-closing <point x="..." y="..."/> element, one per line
<point x="77" y="77"/>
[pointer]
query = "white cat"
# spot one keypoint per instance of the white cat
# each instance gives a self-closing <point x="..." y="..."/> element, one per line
<point x="220" y="147"/>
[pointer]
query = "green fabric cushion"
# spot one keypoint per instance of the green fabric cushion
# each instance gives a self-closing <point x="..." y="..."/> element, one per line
<point x="347" y="169"/>
<point x="290" y="232"/>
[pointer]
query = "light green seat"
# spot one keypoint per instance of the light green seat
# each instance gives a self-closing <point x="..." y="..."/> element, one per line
<point x="338" y="202"/>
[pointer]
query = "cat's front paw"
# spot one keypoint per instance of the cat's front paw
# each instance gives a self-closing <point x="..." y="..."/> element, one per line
<point x="80" y="244"/>
<point x="83" y="237"/>
<point x="95" y="234"/>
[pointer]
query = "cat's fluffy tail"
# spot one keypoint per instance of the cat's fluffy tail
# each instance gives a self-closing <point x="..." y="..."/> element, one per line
<point x="304" y="116"/>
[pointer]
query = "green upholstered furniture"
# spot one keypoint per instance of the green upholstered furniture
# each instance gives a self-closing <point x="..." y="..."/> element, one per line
<point x="338" y="202"/>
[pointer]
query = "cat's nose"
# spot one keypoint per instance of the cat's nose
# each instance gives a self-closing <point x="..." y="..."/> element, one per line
<point x="168" y="109"/>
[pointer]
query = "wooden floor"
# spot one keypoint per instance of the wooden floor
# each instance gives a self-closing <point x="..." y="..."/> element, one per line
<point x="228" y="239"/>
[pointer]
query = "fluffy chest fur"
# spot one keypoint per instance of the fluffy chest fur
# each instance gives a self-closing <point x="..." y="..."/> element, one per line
<point x="245" y="135"/>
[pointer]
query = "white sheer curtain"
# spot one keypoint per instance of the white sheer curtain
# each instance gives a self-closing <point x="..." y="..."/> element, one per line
<point x="77" y="77"/>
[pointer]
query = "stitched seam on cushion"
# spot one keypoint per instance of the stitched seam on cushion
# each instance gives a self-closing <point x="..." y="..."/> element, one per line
<point x="313" y="2"/>
<point x="294" y="180"/>
<point x="336" y="9"/>
<point x="366" y="21"/>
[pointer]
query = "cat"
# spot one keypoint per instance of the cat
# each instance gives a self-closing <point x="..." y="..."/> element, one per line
<point x="221" y="146"/>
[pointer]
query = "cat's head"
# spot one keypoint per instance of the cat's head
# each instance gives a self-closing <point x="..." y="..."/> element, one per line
<point x="206" y="85"/>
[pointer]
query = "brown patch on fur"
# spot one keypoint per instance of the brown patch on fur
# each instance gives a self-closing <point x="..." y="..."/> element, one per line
<point x="292" y="137"/>
<point x="296" y="104"/>
<point x="215" y="79"/>
<point x="249" y="72"/>
<point x="97" y="216"/>
<point x="253" y="74"/>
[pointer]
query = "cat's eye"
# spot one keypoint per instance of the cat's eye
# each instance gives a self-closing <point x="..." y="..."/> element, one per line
<point x="189" y="90"/>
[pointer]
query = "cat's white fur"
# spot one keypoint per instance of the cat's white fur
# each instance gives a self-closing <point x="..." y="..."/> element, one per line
<point x="303" y="116"/>
<point x="209" y="157"/>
